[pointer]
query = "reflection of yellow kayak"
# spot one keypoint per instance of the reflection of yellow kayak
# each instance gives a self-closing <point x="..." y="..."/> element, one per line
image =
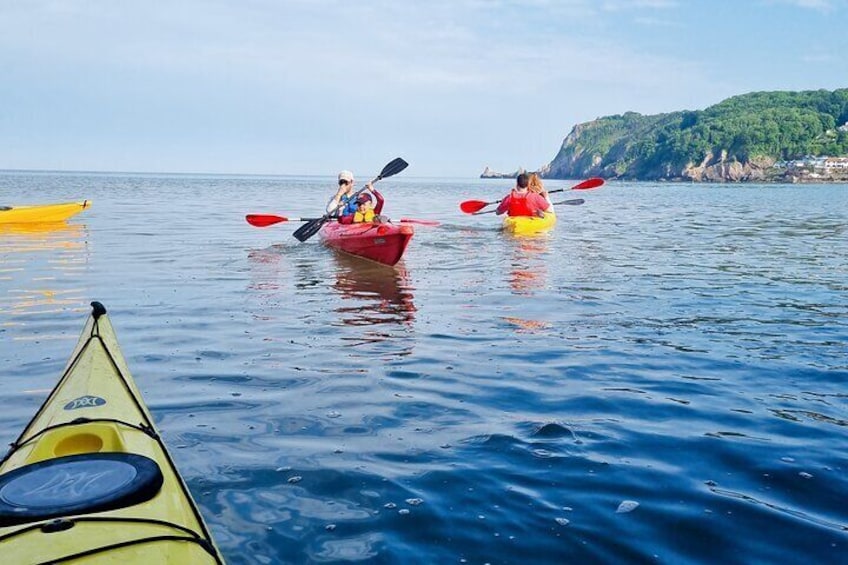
<point x="89" y="479"/>
<point x="51" y="230"/>
<point x="41" y="213"/>
<point x="529" y="224"/>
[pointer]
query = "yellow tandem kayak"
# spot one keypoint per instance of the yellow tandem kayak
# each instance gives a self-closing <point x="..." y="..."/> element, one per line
<point x="89" y="480"/>
<point x="44" y="213"/>
<point x="521" y="225"/>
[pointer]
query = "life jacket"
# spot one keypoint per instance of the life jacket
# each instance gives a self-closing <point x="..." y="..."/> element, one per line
<point x="365" y="216"/>
<point x="518" y="205"/>
<point x="347" y="206"/>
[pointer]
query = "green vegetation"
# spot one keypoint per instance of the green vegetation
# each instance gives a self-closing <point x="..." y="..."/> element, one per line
<point x="752" y="131"/>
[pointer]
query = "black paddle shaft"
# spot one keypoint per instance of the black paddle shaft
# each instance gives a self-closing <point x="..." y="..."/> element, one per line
<point x="311" y="227"/>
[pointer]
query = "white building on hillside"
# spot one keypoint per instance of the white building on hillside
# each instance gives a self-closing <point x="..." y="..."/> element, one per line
<point x="836" y="164"/>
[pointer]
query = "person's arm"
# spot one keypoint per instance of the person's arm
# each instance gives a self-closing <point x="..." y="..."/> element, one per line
<point x="335" y="201"/>
<point x="503" y="206"/>
<point x="540" y="204"/>
<point x="332" y="204"/>
<point x="378" y="206"/>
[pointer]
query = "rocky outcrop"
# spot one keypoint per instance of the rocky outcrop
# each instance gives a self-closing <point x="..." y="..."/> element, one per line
<point x="490" y="174"/>
<point x="721" y="169"/>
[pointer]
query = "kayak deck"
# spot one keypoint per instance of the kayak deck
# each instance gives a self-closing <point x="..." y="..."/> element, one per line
<point x="525" y="225"/>
<point x="89" y="478"/>
<point x="44" y="213"/>
<point x="384" y="243"/>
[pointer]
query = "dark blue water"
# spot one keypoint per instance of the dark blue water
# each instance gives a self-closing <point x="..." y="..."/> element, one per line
<point x="663" y="378"/>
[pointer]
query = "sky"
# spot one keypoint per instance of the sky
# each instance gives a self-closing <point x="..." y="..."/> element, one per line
<point x="310" y="87"/>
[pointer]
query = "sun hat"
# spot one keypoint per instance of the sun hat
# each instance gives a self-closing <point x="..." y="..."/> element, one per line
<point x="363" y="198"/>
<point x="346" y="175"/>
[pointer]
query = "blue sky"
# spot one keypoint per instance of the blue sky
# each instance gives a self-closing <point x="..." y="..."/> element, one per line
<point x="314" y="86"/>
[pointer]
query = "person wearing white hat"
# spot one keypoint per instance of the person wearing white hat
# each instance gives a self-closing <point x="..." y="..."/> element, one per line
<point x="344" y="204"/>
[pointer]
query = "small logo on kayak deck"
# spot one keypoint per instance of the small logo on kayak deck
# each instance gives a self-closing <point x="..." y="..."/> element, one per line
<point x="85" y="402"/>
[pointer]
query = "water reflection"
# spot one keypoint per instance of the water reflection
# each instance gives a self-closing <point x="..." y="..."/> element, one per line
<point x="372" y="293"/>
<point x="21" y="238"/>
<point x="265" y="269"/>
<point x="528" y="274"/>
<point x="373" y="303"/>
<point x="528" y="269"/>
<point x="36" y="262"/>
<point x="273" y="273"/>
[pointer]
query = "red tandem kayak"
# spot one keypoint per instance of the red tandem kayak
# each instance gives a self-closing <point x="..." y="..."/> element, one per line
<point x="383" y="243"/>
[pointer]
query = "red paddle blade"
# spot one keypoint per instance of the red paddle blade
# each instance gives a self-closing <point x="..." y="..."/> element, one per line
<point x="593" y="182"/>
<point x="420" y="222"/>
<point x="471" y="206"/>
<point x="264" y="220"/>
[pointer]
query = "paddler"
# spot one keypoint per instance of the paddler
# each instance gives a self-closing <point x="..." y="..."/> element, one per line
<point x="535" y="184"/>
<point x="364" y="209"/>
<point x="345" y="202"/>
<point x="521" y="202"/>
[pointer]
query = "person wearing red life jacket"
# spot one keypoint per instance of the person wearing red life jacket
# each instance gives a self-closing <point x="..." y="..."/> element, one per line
<point x="521" y="202"/>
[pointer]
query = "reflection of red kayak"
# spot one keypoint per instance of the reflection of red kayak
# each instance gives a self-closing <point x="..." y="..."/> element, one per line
<point x="383" y="243"/>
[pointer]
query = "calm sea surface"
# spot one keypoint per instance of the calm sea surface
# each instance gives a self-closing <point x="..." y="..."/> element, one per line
<point x="663" y="378"/>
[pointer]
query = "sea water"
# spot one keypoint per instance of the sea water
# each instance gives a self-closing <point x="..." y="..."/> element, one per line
<point x="661" y="378"/>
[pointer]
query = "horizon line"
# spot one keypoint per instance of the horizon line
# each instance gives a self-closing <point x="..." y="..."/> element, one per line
<point x="175" y="173"/>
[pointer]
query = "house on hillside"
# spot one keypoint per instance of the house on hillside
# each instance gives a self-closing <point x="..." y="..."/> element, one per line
<point x="836" y="164"/>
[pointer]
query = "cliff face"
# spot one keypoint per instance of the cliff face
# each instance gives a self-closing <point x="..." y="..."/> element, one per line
<point x="722" y="170"/>
<point x="578" y="159"/>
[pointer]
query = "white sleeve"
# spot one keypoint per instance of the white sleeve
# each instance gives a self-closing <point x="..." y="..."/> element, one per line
<point x="332" y="204"/>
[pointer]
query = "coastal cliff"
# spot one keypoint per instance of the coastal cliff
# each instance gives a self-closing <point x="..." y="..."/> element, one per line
<point x="756" y="137"/>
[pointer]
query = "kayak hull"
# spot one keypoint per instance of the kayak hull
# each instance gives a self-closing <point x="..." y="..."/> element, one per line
<point x="41" y="214"/>
<point x="382" y="243"/>
<point x="112" y="492"/>
<point x="526" y="225"/>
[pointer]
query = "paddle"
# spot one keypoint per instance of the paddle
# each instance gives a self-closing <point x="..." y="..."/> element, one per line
<point x="265" y="220"/>
<point x="474" y="206"/>
<point x="572" y="202"/>
<point x="311" y="227"/>
<point x="420" y="222"/>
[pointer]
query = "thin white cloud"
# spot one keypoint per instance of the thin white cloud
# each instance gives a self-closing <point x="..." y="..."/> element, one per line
<point x="820" y="5"/>
<point x="638" y="5"/>
<point x="655" y="22"/>
<point x="819" y="58"/>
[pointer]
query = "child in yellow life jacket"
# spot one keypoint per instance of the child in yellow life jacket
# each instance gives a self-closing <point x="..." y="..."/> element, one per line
<point x="364" y="210"/>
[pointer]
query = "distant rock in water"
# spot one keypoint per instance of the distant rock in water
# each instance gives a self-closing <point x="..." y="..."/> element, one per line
<point x="490" y="174"/>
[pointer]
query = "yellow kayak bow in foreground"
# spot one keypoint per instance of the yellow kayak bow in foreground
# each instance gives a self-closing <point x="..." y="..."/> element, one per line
<point x="89" y="479"/>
